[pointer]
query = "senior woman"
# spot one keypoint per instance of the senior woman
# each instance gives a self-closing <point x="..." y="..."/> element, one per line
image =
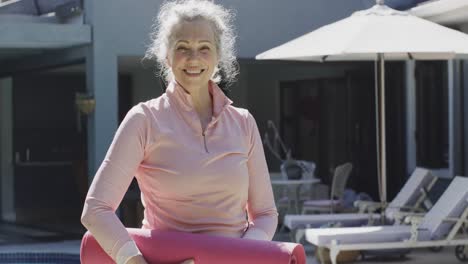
<point x="198" y="160"/>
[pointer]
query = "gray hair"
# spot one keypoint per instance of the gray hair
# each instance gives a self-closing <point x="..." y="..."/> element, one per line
<point x="172" y="13"/>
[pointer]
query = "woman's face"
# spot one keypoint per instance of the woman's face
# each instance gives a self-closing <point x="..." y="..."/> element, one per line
<point x="193" y="55"/>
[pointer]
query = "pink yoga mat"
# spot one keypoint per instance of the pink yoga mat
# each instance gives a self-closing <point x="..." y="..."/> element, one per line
<point x="166" y="247"/>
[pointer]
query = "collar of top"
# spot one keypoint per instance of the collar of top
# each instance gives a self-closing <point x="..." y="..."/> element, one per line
<point x="183" y="99"/>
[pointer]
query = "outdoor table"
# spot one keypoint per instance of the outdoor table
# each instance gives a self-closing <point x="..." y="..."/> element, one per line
<point x="293" y="188"/>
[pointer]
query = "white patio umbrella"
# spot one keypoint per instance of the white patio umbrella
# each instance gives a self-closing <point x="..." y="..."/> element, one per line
<point x="376" y="34"/>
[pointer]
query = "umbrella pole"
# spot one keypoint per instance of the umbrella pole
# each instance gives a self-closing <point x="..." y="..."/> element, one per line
<point x="383" y="135"/>
<point x="377" y="123"/>
<point x="380" y="119"/>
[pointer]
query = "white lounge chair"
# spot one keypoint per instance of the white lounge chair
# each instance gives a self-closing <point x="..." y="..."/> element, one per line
<point x="410" y="198"/>
<point x="440" y="226"/>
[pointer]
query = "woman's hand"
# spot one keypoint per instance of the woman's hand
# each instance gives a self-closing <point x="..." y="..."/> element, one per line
<point x="188" y="261"/>
<point x="137" y="260"/>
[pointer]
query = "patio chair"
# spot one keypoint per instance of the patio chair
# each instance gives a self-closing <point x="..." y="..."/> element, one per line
<point x="444" y="225"/>
<point x="340" y="177"/>
<point x="410" y="199"/>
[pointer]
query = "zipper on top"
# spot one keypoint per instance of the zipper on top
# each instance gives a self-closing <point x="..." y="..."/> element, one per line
<point x="204" y="142"/>
<point x="204" y="133"/>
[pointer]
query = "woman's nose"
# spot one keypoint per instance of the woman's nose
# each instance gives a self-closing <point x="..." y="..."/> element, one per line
<point x="193" y="54"/>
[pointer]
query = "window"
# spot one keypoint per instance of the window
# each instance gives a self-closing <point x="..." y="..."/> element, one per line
<point x="432" y="139"/>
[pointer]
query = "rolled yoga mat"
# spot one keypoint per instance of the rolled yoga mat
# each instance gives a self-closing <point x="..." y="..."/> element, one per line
<point x="167" y="247"/>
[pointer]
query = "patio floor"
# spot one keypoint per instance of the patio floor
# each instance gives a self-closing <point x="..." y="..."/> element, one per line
<point x="417" y="256"/>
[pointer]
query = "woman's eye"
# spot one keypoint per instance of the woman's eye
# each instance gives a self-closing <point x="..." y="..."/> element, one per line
<point x="205" y="49"/>
<point x="181" y="48"/>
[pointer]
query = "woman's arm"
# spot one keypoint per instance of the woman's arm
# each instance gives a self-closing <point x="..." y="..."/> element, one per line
<point x="262" y="213"/>
<point x="110" y="185"/>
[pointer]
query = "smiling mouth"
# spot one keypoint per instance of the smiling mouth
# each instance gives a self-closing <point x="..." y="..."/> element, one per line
<point x="194" y="72"/>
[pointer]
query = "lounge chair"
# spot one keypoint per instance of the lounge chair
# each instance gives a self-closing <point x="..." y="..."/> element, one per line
<point x="410" y="198"/>
<point x="439" y="227"/>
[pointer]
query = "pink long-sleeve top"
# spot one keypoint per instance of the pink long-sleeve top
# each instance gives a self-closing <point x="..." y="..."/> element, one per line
<point x="190" y="180"/>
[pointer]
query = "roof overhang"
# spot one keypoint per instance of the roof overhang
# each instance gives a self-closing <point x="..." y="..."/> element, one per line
<point x="22" y="34"/>
<point x="446" y="12"/>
